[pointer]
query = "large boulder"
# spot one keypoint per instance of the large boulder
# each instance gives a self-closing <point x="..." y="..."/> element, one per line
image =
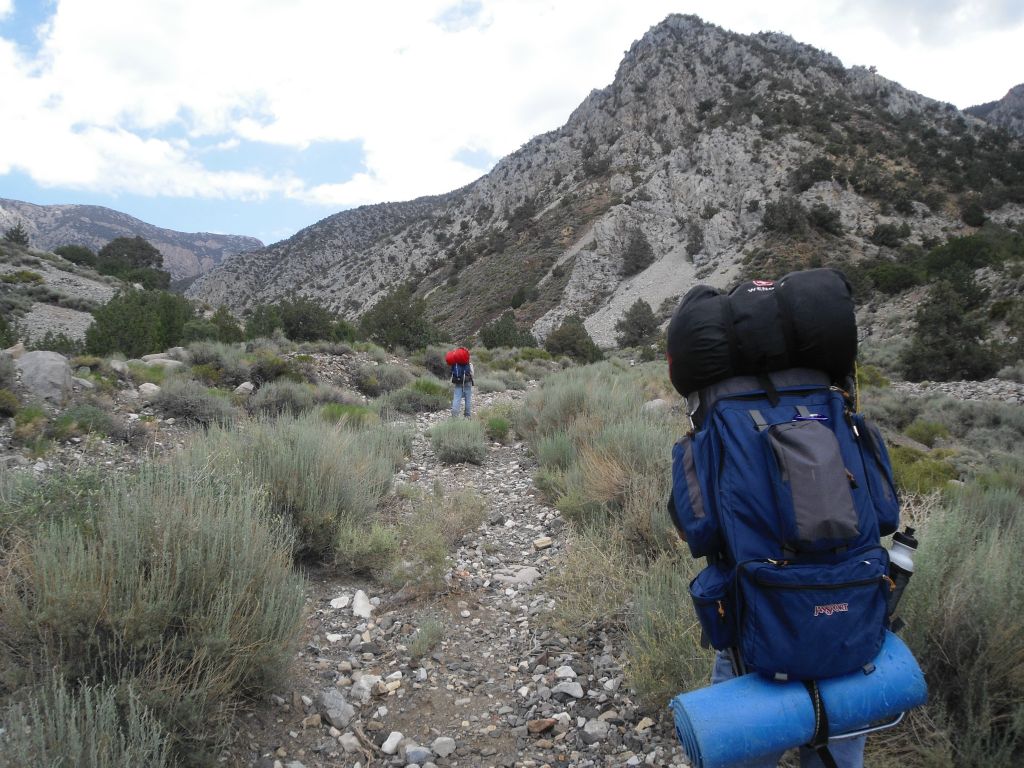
<point x="46" y="376"/>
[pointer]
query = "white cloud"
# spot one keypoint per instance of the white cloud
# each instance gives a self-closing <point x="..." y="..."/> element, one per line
<point x="415" y="81"/>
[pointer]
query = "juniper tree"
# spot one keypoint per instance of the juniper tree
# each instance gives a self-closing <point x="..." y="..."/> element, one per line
<point x="638" y="326"/>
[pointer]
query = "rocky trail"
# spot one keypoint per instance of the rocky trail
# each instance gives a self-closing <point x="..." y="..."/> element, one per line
<point x="499" y="689"/>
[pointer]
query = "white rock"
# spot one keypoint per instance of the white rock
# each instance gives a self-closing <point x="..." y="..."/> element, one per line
<point x="333" y="638"/>
<point x="148" y="392"/>
<point x="390" y="745"/>
<point x="46" y="375"/>
<point x="443" y="746"/>
<point x="341" y="602"/>
<point x="349" y="742"/>
<point x="361" y="605"/>
<point x="565" y="673"/>
<point x="575" y="690"/>
<point x="362" y="689"/>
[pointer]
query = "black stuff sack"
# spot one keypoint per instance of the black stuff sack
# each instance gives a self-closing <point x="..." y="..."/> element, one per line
<point x="804" y="320"/>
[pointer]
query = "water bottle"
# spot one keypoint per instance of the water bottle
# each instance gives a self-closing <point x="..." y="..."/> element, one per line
<point x="901" y="564"/>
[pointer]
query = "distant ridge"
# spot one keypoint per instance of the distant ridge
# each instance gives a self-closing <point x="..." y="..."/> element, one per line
<point x="186" y="255"/>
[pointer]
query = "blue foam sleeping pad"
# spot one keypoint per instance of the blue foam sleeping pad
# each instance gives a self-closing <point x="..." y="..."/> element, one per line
<point x="751" y="717"/>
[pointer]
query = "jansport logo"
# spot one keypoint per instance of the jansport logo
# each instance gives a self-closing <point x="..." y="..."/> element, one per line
<point x="828" y="610"/>
<point x="761" y="286"/>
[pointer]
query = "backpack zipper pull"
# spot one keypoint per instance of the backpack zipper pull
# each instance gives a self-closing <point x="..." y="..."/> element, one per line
<point x="721" y="608"/>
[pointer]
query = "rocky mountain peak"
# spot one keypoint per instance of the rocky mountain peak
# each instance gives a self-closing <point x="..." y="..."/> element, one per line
<point x="726" y="154"/>
<point x="1007" y="113"/>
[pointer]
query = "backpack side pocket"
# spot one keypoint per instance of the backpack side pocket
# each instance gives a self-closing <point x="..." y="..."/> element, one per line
<point x="693" y="514"/>
<point x="878" y="474"/>
<point x="712" y="592"/>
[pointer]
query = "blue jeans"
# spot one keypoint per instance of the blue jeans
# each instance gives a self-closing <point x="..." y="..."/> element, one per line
<point x="848" y="753"/>
<point x="463" y="393"/>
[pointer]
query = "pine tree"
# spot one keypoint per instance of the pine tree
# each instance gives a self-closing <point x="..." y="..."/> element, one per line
<point x="17" y="234"/>
<point x="638" y="256"/>
<point x="638" y="326"/>
<point x="948" y="341"/>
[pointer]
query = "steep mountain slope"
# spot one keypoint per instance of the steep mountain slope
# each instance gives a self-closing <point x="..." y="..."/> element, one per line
<point x="1006" y="113"/>
<point x="725" y="154"/>
<point x="185" y="254"/>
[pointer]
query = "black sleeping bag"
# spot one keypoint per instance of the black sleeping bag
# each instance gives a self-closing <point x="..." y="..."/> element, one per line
<point x="804" y="320"/>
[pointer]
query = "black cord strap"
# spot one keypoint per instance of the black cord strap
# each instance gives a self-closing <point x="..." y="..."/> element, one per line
<point x="819" y="741"/>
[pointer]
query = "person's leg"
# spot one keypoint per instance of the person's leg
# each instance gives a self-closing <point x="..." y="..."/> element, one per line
<point x="456" y="401"/>
<point x="848" y="753"/>
<point x="468" y="397"/>
<point x="722" y="671"/>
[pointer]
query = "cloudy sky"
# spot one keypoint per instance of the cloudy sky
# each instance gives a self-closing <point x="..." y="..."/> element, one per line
<point x="260" y="117"/>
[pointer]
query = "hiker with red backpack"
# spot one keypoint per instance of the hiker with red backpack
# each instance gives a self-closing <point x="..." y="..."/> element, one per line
<point x="786" y="489"/>
<point x="462" y="378"/>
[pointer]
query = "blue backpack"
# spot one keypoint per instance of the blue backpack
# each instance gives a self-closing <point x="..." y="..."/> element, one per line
<point x="787" y="491"/>
<point x="459" y="372"/>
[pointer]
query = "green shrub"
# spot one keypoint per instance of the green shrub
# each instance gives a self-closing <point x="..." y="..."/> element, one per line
<point x="504" y="332"/>
<point x="433" y="361"/>
<point x="29" y="423"/>
<point x="533" y="354"/>
<point x="330" y="394"/>
<point x="320" y="477"/>
<point x="282" y="397"/>
<point x="1014" y="372"/>
<point x="497" y="428"/>
<point x="365" y="548"/>
<point x="871" y="376"/>
<point x="219" y="363"/>
<point x="947" y="341"/>
<point x="56" y="341"/>
<point x="355" y="415"/>
<point x="422" y="395"/>
<point x="889" y="235"/>
<point x="917" y="472"/>
<point x="268" y="367"/>
<point x="486" y="384"/>
<point x="555" y="450"/>
<point x="81" y="420"/>
<point x="665" y="654"/>
<point x="926" y="432"/>
<point x="437" y="524"/>
<point x="8" y="372"/>
<point x="77" y="254"/>
<point x="22" y="276"/>
<point x="826" y="219"/>
<point x="87" y="728"/>
<point x="571" y="339"/>
<point x="176" y="587"/>
<point x="785" y="215"/>
<point x="429" y="635"/>
<point x="963" y="611"/>
<point x="138" y="323"/>
<point x="192" y="402"/>
<point x="459" y="440"/>
<point x="398" y="319"/>
<point x="594" y="583"/>
<point x="143" y="373"/>
<point x="374" y="380"/>
<point x="8" y="403"/>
